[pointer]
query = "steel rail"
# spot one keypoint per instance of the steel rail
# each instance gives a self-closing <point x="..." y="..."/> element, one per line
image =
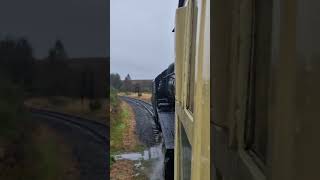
<point x="144" y="104"/>
<point x="85" y="124"/>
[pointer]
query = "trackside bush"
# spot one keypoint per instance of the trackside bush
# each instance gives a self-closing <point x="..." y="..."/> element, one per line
<point x="95" y="105"/>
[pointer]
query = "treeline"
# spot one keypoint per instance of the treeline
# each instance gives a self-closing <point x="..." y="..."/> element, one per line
<point x="54" y="75"/>
<point x="18" y="65"/>
<point x="17" y="61"/>
<point x="129" y="85"/>
<point x="118" y="84"/>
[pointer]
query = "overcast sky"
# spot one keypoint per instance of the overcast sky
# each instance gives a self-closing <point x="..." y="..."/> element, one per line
<point x="142" y="41"/>
<point x="82" y="25"/>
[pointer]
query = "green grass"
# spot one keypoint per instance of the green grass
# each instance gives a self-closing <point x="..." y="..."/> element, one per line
<point x="139" y="147"/>
<point x="117" y="122"/>
<point x="10" y="109"/>
<point x="117" y="128"/>
<point x="118" y="125"/>
<point x="50" y="169"/>
<point x="33" y="159"/>
<point x="114" y="100"/>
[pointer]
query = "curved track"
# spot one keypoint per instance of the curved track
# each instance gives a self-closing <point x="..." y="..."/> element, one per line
<point x="146" y="128"/>
<point x="141" y="103"/>
<point x="97" y="130"/>
<point x="88" y="139"/>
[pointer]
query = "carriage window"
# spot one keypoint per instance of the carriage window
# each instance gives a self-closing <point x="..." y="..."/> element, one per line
<point x="192" y="50"/>
<point x="257" y="117"/>
<point x="185" y="156"/>
<point x="181" y="3"/>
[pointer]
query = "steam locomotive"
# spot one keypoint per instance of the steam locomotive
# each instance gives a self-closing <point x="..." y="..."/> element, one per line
<point x="163" y="102"/>
<point x="163" y="92"/>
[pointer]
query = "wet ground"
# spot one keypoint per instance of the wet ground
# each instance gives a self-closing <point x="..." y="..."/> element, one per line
<point x="148" y="163"/>
<point x="150" y="160"/>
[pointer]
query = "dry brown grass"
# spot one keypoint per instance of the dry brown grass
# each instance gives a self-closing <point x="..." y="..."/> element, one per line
<point x="125" y="169"/>
<point x="145" y="96"/>
<point x="40" y="155"/>
<point x="130" y="140"/>
<point x="122" y="170"/>
<point x="73" y="106"/>
<point x="57" y="154"/>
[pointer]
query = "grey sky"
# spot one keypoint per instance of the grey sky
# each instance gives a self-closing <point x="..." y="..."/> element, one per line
<point x="80" y="24"/>
<point x="142" y="43"/>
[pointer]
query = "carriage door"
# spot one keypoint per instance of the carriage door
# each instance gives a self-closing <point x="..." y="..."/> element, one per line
<point x="241" y="87"/>
<point x="186" y="22"/>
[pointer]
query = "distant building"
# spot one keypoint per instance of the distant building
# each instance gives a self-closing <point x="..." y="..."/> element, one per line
<point x="143" y="85"/>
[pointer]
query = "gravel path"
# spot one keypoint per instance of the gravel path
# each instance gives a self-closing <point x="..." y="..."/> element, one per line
<point x="91" y="155"/>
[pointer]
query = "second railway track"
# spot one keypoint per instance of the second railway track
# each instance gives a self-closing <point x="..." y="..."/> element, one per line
<point x="97" y="130"/>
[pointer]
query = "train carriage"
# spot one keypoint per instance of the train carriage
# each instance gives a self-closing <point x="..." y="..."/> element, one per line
<point x="186" y="92"/>
<point x="264" y="90"/>
<point x="192" y="47"/>
<point x="265" y="65"/>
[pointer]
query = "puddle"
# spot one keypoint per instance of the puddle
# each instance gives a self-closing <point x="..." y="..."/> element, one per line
<point x="152" y="153"/>
<point x="149" y="162"/>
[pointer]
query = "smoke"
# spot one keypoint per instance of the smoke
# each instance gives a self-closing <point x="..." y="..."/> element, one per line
<point x="157" y="165"/>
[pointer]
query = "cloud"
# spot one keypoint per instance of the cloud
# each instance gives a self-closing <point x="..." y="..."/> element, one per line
<point x="141" y="37"/>
<point x="81" y="24"/>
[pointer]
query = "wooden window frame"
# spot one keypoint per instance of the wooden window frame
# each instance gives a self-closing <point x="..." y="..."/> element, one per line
<point x="190" y="88"/>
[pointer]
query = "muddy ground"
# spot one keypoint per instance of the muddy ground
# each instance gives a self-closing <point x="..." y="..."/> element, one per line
<point x="144" y="162"/>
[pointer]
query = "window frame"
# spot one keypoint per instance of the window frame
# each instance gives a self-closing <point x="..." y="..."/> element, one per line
<point x="191" y="58"/>
<point x="250" y="127"/>
<point x="183" y="136"/>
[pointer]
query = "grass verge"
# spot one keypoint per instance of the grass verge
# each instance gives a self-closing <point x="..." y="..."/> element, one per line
<point x="123" y="139"/>
<point x="29" y="151"/>
<point x="118" y="126"/>
<point x="55" y="157"/>
<point x="145" y="96"/>
<point x="74" y="106"/>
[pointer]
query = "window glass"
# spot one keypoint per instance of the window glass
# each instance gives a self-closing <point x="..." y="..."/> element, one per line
<point x="191" y="64"/>
<point x="257" y="124"/>
<point x="181" y="3"/>
<point x="185" y="155"/>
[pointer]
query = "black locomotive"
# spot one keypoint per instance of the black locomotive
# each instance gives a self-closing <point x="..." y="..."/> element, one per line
<point x="163" y="102"/>
<point x="163" y="92"/>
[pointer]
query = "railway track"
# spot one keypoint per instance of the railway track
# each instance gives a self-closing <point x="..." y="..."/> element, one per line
<point x="98" y="131"/>
<point x="88" y="141"/>
<point x="147" y="107"/>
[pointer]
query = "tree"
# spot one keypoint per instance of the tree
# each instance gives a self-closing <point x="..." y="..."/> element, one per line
<point x="115" y="81"/>
<point x="25" y="68"/>
<point x="58" y="52"/>
<point x="57" y="69"/>
<point x="128" y="78"/>
<point x="16" y="60"/>
<point x="127" y="84"/>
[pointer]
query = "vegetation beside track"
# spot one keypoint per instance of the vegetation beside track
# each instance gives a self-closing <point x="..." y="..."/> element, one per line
<point x="122" y="131"/>
<point x="90" y="109"/>
<point x="123" y="138"/>
<point x="29" y="150"/>
<point x="145" y="96"/>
